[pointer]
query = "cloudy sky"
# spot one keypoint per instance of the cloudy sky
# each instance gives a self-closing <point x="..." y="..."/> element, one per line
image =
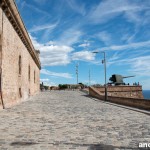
<point x="67" y="32"/>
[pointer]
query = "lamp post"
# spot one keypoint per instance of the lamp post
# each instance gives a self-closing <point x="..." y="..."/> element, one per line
<point x="89" y="77"/>
<point x="104" y="62"/>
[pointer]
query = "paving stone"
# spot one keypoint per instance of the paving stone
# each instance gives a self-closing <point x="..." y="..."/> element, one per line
<point x="66" y="120"/>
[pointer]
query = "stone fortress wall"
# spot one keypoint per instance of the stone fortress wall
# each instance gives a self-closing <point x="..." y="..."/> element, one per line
<point x="19" y="62"/>
<point x="123" y="91"/>
<point x="131" y="101"/>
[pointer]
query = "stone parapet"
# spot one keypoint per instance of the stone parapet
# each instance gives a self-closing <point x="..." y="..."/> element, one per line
<point x="132" y="102"/>
<point x="122" y="91"/>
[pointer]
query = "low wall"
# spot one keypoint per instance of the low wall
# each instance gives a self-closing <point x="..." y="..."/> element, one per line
<point x="132" y="102"/>
<point x="86" y="90"/>
<point x="123" y="91"/>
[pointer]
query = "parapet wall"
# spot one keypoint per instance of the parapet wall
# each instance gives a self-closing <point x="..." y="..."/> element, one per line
<point x="132" y="102"/>
<point x="122" y="91"/>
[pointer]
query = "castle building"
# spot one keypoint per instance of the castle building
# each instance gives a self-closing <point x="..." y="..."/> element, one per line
<point x="19" y="61"/>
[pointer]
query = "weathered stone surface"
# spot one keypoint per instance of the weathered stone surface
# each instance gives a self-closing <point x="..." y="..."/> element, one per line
<point x="70" y="120"/>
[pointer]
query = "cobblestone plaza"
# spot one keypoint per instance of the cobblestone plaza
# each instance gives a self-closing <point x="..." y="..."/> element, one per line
<point x="62" y="120"/>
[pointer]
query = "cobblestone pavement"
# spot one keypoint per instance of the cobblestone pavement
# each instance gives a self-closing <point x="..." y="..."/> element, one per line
<point x="62" y="120"/>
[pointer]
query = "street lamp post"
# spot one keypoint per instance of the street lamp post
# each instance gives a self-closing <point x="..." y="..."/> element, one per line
<point x="89" y="77"/>
<point x="104" y="62"/>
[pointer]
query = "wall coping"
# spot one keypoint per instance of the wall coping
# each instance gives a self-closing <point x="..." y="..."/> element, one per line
<point x="9" y="7"/>
<point x="119" y="86"/>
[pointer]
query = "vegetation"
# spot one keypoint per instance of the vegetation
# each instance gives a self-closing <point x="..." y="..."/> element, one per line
<point x="62" y="86"/>
<point x="43" y="87"/>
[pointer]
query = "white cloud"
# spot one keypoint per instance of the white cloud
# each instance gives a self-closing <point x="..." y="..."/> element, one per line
<point x="77" y="7"/>
<point x="42" y="27"/>
<point x="140" y="66"/>
<point x="114" y="57"/>
<point x="52" y="55"/>
<point x="83" y="55"/>
<point x="133" y="16"/>
<point x="47" y="82"/>
<point x="127" y="46"/>
<point x="37" y="10"/>
<point x="50" y="43"/>
<point x="104" y="37"/>
<point x="44" y="80"/>
<point x="128" y="37"/>
<point x="136" y="65"/>
<point x="108" y="9"/>
<point x="55" y="74"/>
<point x="145" y="84"/>
<point x="146" y="18"/>
<point x="69" y="37"/>
<point x="85" y="45"/>
<point x="59" y="55"/>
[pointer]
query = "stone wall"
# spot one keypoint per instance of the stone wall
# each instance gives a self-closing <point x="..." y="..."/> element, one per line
<point x="123" y="91"/>
<point x="16" y="87"/>
<point x="132" y="102"/>
<point x="0" y="54"/>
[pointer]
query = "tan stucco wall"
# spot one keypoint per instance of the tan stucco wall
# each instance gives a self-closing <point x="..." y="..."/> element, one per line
<point x="12" y="47"/>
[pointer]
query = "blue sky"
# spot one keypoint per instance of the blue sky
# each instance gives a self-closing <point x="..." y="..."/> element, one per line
<point x="67" y="31"/>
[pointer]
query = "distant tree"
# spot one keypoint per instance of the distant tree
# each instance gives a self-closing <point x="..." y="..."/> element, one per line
<point x="63" y="86"/>
<point x="82" y="85"/>
<point x="46" y="87"/>
<point x="60" y="86"/>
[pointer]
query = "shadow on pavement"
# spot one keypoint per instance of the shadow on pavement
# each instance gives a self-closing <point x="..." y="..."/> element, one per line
<point x="22" y="143"/>
<point x="90" y="146"/>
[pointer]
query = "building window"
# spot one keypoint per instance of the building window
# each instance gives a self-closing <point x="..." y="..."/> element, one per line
<point x="29" y="92"/>
<point x="20" y="93"/>
<point x="19" y="63"/>
<point x="29" y="73"/>
<point x="34" y="76"/>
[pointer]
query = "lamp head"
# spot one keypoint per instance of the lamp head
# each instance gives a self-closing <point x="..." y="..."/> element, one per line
<point x="95" y="52"/>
